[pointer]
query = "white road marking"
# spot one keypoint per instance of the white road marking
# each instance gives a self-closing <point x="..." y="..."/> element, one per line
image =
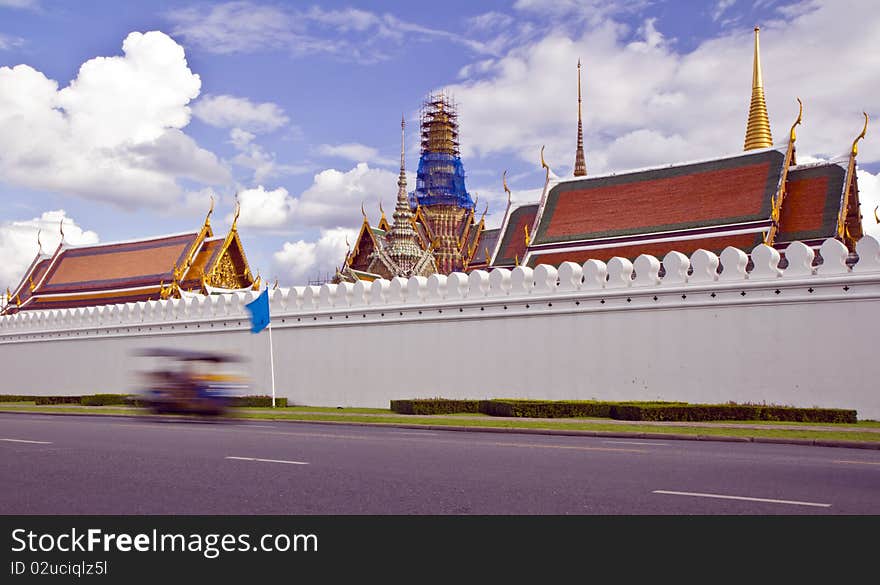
<point x="26" y="441"/>
<point x="267" y="460"/>
<point x="858" y="462"/>
<point x="257" y="426"/>
<point x="634" y="443"/>
<point x="744" y="498"/>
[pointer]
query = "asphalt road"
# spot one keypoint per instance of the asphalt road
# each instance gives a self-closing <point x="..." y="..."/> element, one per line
<point x="109" y="465"/>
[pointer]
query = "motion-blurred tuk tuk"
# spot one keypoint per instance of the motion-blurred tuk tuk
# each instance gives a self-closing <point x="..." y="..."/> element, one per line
<point x="189" y="382"/>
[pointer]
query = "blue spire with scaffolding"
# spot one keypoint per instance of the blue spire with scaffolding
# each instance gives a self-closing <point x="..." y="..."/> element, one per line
<point x="440" y="178"/>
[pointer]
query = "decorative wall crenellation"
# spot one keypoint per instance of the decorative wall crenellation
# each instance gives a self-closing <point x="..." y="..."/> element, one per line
<point x="618" y="285"/>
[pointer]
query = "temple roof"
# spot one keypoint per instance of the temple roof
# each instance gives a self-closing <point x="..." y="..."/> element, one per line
<point x="812" y="202"/>
<point x="129" y="271"/>
<point x="512" y="246"/>
<point x="116" y="265"/>
<point x="725" y="192"/>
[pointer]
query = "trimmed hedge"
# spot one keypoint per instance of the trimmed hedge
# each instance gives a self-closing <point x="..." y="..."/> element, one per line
<point x="133" y="400"/>
<point x="257" y="401"/>
<point x="559" y="408"/>
<point x="57" y="400"/>
<point x="105" y="400"/>
<point x="710" y="412"/>
<point x="437" y="406"/>
<point x="634" y="411"/>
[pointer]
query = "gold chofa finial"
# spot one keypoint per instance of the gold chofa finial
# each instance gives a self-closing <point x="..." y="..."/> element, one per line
<point x="237" y="213"/>
<point x="210" y="211"/>
<point x="758" y="128"/>
<point x="876" y="217"/>
<point x="504" y="184"/>
<point x="792" y="135"/>
<point x="61" y="228"/>
<point x="363" y="211"/>
<point x="39" y="243"/>
<point x="855" y="146"/>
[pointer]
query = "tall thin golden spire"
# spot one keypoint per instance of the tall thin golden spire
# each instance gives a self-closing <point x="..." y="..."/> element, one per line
<point x="580" y="164"/>
<point x="758" y="129"/>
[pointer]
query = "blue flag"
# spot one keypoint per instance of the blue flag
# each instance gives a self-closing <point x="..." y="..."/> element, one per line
<point x="259" y="309"/>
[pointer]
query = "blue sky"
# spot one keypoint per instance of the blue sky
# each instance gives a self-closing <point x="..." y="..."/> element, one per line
<point x="296" y="106"/>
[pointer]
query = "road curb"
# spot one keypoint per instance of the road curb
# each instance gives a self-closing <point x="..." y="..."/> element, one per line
<point x="522" y="431"/>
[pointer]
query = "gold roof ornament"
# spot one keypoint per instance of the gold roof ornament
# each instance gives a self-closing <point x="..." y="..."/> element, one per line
<point x="210" y="211"/>
<point x="792" y="135"/>
<point x="61" y="229"/>
<point x="855" y="144"/>
<point x="580" y="163"/>
<point x="363" y="211"/>
<point x="504" y="184"/>
<point x="544" y="164"/>
<point x="842" y="228"/>
<point x="777" y="198"/>
<point x="758" y="128"/>
<point x="528" y="238"/>
<point x="39" y="243"/>
<point x="876" y="217"/>
<point x="237" y="213"/>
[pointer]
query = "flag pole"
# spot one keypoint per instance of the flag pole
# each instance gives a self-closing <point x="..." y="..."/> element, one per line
<point x="271" y="362"/>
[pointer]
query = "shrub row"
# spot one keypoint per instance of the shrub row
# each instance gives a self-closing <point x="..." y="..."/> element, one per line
<point x="258" y="401"/>
<point x="437" y="406"/>
<point x="58" y="400"/>
<point x="127" y="400"/>
<point x="710" y="412"/>
<point x="634" y="411"/>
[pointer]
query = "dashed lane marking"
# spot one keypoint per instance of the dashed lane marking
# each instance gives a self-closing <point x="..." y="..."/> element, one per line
<point x="26" y="441"/>
<point x="742" y="498"/>
<point x="857" y="462"/>
<point x="267" y="460"/>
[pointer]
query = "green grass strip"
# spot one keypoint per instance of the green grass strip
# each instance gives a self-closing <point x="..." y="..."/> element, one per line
<point x="494" y="422"/>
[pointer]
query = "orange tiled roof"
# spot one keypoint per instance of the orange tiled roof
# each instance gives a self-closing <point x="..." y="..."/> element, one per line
<point x="721" y="192"/>
<point x="513" y="236"/>
<point x="812" y="203"/>
<point x="116" y="266"/>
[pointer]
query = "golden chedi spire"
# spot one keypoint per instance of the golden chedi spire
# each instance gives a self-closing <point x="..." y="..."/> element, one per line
<point x="580" y="164"/>
<point x="758" y="129"/>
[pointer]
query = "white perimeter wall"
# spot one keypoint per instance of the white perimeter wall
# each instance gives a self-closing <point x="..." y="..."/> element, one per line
<point x="804" y="336"/>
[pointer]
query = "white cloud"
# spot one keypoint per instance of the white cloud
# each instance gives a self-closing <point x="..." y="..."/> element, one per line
<point x="18" y="242"/>
<point x="31" y="4"/>
<point x="264" y="209"/>
<point x="646" y="104"/>
<point x="253" y="156"/>
<point x="335" y="197"/>
<point x="350" y="34"/>
<point x="869" y="197"/>
<point x="226" y="111"/>
<point x="721" y="7"/>
<point x="9" y="42"/>
<point x="113" y="134"/>
<point x="301" y="261"/>
<point x="356" y="152"/>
